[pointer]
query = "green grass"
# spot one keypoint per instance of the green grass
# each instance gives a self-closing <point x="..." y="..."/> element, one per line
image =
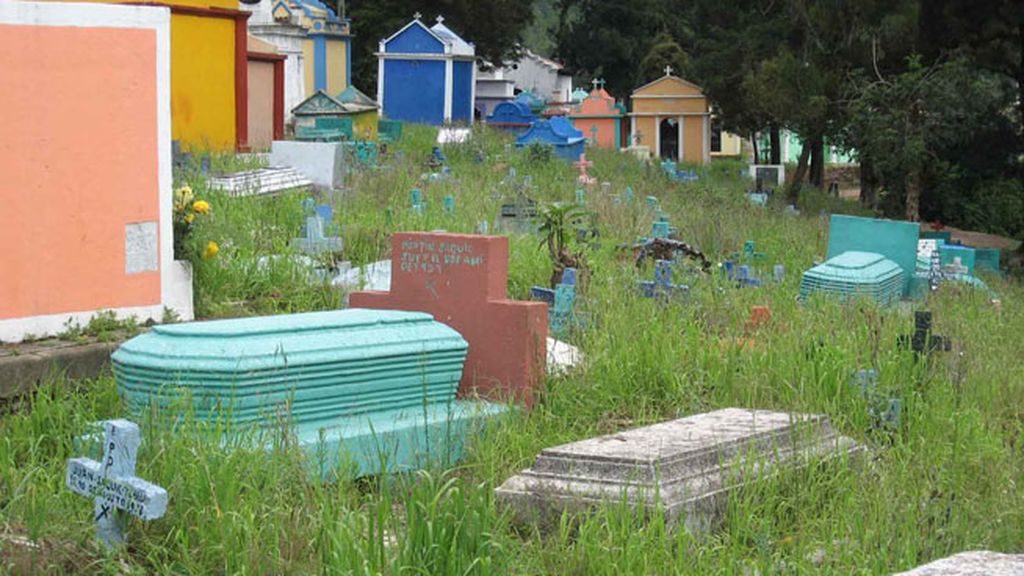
<point x="947" y="480"/>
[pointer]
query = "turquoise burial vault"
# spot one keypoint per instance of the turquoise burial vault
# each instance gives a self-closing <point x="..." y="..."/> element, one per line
<point x="370" y="388"/>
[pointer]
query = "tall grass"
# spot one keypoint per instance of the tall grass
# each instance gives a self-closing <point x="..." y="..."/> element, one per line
<point x="948" y="479"/>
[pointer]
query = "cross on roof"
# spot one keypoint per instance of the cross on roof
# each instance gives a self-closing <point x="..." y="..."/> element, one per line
<point x="600" y="83"/>
<point x="594" y="83"/>
<point x="668" y="70"/>
<point x="417" y="16"/>
<point x="440" y="19"/>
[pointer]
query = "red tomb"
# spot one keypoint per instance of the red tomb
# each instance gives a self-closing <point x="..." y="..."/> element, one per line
<point x="461" y="279"/>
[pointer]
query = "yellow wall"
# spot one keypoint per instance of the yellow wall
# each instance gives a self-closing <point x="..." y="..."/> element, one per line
<point x="335" y="67"/>
<point x="203" y="81"/>
<point x="365" y="123"/>
<point x="732" y="145"/>
<point x="648" y="130"/>
<point x="202" y="76"/>
<point x="693" y="139"/>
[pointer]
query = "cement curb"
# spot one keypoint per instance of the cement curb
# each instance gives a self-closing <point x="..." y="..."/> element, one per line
<point x="21" y="373"/>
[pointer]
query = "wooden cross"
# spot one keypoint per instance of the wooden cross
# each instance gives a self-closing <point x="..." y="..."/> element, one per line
<point x="113" y="484"/>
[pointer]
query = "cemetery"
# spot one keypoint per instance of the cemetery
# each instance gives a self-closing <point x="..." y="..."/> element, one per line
<point x="389" y="335"/>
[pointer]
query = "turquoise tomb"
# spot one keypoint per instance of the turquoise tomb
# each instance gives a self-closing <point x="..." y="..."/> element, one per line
<point x="371" y="389"/>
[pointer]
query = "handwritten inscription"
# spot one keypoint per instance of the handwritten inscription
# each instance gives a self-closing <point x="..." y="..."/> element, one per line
<point x="430" y="257"/>
<point x="134" y="496"/>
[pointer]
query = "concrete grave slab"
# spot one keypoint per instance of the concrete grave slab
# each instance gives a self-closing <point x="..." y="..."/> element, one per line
<point x="974" y="563"/>
<point x="323" y="163"/>
<point x="687" y="466"/>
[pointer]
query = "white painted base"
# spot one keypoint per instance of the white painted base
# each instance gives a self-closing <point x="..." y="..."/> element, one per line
<point x="178" y="298"/>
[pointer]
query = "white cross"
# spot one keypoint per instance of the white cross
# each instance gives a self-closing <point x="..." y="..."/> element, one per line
<point x="594" y="82"/>
<point x="668" y="70"/>
<point x="440" y="19"/>
<point x="417" y="16"/>
<point x="113" y="484"/>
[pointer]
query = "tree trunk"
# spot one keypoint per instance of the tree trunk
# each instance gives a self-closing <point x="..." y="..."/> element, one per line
<point x="793" y="191"/>
<point x="776" y="145"/>
<point x="816" y="176"/>
<point x="753" y="142"/>
<point x="868" y="184"/>
<point x="913" y="202"/>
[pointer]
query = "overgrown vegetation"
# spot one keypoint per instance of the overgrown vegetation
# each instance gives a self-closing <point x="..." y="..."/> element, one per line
<point x="947" y="479"/>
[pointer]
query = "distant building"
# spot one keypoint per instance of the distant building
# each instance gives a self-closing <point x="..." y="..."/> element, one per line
<point x="724" y="144"/>
<point x="492" y="88"/>
<point x="542" y="76"/>
<point x="426" y="75"/>
<point x="672" y="117"/>
<point x="265" y="108"/>
<point x="315" y="40"/>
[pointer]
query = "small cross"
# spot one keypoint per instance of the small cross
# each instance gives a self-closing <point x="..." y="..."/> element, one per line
<point x="600" y="83"/>
<point x="440" y="19"/>
<point x="668" y="70"/>
<point x="417" y="16"/>
<point x="314" y="241"/>
<point x="594" y="83"/>
<point x="113" y="484"/>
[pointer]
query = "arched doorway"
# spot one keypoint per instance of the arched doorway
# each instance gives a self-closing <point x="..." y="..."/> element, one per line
<point x="668" y="131"/>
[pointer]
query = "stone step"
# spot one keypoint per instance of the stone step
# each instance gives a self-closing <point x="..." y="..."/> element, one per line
<point x="260" y="182"/>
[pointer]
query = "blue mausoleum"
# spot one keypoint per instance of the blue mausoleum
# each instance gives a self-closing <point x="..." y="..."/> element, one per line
<point x="426" y="75"/>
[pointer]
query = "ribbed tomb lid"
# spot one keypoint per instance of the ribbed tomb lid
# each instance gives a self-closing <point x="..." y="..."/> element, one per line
<point x="854" y="259"/>
<point x="293" y="340"/>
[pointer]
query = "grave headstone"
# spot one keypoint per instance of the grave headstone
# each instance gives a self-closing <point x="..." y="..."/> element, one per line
<point x="314" y="240"/>
<point x="462" y="280"/>
<point x="581" y="197"/>
<point x="922" y="341"/>
<point x="628" y="195"/>
<point x="779" y="273"/>
<point x="583" y="164"/>
<point x="416" y="201"/>
<point x="113" y="484"/>
<point x="449" y="204"/>
<point x="662" y="286"/>
<point x="689" y="467"/>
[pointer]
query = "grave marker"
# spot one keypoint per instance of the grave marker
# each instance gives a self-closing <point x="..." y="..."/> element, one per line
<point x="114" y="485"/>
<point x="314" y="241"/>
<point x="688" y="467"/>
<point x="462" y="280"/>
<point x="922" y="341"/>
<point x="583" y="164"/>
<point x="662" y="286"/>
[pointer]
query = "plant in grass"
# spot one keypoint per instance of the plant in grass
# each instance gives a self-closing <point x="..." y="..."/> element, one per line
<point x="539" y="152"/>
<point x="559" y="222"/>
<point x="186" y="209"/>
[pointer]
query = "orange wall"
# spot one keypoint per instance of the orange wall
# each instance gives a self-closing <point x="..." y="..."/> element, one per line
<point x="79" y="159"/>
<point x="605" y="130"/>
<point x="693" y="139"/>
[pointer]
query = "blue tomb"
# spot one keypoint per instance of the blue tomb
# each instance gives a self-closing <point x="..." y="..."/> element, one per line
<point x="513" y="115"/>
<point x="370" y="389"/>
<point x="426" y="75"/>
<point x="557" y="132"/>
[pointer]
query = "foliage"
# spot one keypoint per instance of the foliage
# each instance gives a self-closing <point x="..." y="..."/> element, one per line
<point x="186" y="209"/>
<point x="539" y="152"/>
<point x="559" y="222"/>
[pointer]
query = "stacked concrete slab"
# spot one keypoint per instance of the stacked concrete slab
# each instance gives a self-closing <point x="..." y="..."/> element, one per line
<point x="687" y="467"/>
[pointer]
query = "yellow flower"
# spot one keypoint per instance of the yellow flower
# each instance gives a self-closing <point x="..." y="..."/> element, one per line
<point x="189" y="218"/>
<point x="211" y="250"/>
<point x="201" y="206"/>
